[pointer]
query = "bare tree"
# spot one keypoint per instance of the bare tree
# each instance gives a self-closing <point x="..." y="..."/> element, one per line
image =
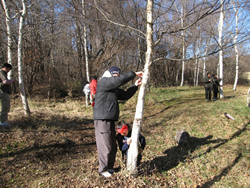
<point x="8" y="19"/>
<point x="85" y="42"/>
<point x="220" y="30"/>
<point x="20" y="63"/>
<point x="133" y="150"/>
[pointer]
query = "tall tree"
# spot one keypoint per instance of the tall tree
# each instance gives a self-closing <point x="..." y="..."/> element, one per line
<point x="20" y="61"/>
<point x="85" y="42"/>
<point x="220" y="31"/>
<point x="133" y="150"/>
<point x="8" y="19"/>
<point x="236" y="48"/>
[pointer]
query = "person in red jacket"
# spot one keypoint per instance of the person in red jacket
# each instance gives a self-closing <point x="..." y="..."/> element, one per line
<point x="92" y="87"/>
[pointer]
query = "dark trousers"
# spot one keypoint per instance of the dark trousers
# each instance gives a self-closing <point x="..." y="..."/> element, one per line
<point x="215" y="91"/>
<point x="208" y="93"/>
<point x="106" y="143"/>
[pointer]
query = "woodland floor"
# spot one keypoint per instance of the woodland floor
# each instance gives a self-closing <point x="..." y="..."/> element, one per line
<point x="55" y="146"/>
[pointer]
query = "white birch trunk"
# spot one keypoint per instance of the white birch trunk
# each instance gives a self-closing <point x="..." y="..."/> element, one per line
<point x="204" y="65"/>
<point x="198" y="70"/>
<point x="196" y="63"/>
<point x="199" y="62"/>
<point x="183" y="46"/>
<point x="20" y="66"/>
<point x="133" y="149"/>
<point x="195" y="70"/>
<point x="204" y="68"/>
<point x="85" y="42"/>
<point x="9" y="35"/>
<point x="220" y="30"/>
<point x="236" y="50"/>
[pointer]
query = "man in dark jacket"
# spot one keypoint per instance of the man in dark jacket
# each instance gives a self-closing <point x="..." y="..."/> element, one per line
<point x="208" y="86"/>
<point x="106" y="112"/>
<point x="5" y="91"/>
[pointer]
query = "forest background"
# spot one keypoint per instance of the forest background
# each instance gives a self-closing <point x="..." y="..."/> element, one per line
<point x="66" y="42"/>
<point x="56" y="46"/>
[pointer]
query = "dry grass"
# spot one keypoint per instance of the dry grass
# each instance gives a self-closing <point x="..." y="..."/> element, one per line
<point x="55" y="147"/>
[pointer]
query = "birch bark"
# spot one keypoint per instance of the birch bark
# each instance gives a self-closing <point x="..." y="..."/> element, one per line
<point x="20" y="63"/>
<point x="85" y="42"/>
<point x="133" y="149"/>
<point x="220" y="30"/>
<point x="236" y="49"/>
<point x="9" y="35"/>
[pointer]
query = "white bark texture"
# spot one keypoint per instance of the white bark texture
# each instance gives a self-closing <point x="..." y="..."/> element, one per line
<point x="9" y="34"/>
<point x="236" y="50"/>
<point x="133" y="149"/>
<point x="220" y="30"/>
<point x="85" y="42"/>
<point x="183" y="45"/>
<point x="20" y="66"/>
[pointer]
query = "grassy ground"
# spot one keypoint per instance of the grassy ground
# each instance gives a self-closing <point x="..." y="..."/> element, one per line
<point x="55" y="147"/>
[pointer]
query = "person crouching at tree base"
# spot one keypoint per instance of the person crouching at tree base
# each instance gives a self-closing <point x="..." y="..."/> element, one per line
<point x="124" y="140"/>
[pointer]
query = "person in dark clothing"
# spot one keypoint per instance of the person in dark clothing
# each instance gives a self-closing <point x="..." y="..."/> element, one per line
<point x="124" y="139"/>
<point x="215" y="82"/>
<point x="5" y="91"/>
<point x="106" y="112"/>
<point x="208" y="86"/>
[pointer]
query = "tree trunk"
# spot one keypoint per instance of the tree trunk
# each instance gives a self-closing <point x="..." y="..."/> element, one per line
<point x="183" y="45"/>
<point x="220" y="29"/>
<point x="198" y="71"/>
<point x="20" y="66"/>
<point x="85" y="43"/>
<point x="236" y="50"/>
<point x="9" y="35"/>
<point x="133" y="149"/>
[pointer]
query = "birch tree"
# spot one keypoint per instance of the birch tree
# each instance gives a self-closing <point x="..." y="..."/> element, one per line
<point x="183" y="45"/>
<point x="85" y="42"/>
<point x="8" y="19"/>
<point x="236" y="48"/>
<point x="133" y="149"/>
<point x="220" y="64"/>
<point x="20" y="63"/>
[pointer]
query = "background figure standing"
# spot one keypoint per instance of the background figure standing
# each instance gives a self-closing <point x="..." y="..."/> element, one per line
<point x="92" y="87"/>
<point x="106" y="112"/>
<point x="215" y="82"/>
<point x="208" y="86"/>
<point x="5" y="92"/>
<point x="86" y="91"/>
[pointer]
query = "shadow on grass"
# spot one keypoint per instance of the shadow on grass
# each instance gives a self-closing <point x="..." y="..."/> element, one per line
<point x="224" y="172"/>
<point x="183" y="100"/>
<point x="49" y="138"/>
<point x="51" y="149"/>
<point x="175" y="155"/>
<point x="43" y="121"/>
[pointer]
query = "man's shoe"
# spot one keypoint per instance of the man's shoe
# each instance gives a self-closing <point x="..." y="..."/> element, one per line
<point x="106" y="174"/>
<point x="4" y="124"/>
<point x="111" y="171"/>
